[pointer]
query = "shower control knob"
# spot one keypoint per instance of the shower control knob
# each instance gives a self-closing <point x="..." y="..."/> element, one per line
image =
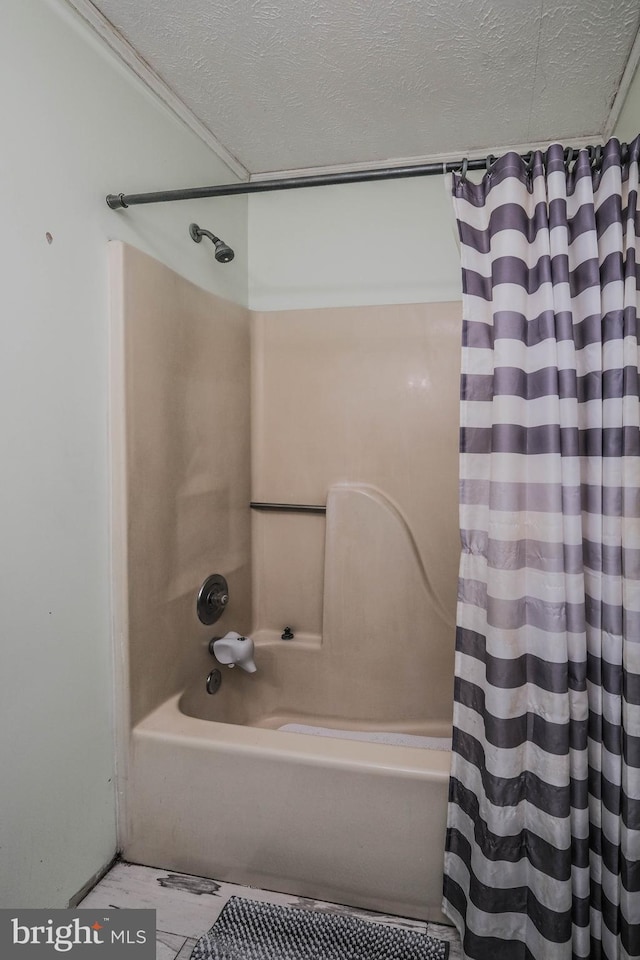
<point x="213" y="597"/>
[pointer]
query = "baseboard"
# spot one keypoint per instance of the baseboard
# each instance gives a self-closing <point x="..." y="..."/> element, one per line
<point x="90" y="884"/>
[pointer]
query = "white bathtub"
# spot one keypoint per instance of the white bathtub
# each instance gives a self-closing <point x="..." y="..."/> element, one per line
<point x="352" y="822"/>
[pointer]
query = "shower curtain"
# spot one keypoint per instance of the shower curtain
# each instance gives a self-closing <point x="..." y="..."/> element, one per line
<point x="543" y="839"/>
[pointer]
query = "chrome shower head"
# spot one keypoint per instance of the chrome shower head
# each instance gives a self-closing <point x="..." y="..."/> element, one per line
<point x="223" y="252"/>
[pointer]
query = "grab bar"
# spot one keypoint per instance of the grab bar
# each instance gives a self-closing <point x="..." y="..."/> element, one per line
<point x="288" y="507"/>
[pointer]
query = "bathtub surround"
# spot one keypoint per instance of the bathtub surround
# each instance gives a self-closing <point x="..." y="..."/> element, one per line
<point x="543" y="843"/>
<point x="183" y="471"/>
<point x="361" y="395"/>
<point x="383" y="631"/>
<point x="365" y="588"/>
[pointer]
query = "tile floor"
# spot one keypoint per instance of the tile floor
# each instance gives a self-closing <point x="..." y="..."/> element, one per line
<point x="187" y="906"/>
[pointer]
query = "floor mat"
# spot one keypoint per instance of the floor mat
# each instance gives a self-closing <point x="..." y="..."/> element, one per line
<point x="249" y="930"/>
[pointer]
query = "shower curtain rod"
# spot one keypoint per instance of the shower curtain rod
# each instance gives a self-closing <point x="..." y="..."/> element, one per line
<point x="118" y="201"/>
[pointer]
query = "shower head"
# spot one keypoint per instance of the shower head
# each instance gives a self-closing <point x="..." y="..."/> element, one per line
<point x="223" y="252"/>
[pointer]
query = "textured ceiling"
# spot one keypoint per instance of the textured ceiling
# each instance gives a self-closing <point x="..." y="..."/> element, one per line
<point x="287" y="84"/>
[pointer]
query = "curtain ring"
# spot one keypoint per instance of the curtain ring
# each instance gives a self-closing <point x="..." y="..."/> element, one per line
<point x="490" y="162"/>
<point x="569" y="155"/>
<point x="465" y="167"/>
<point x="528" y="162"/>
<point x="597" y="157"/>
<point x="624" y="153"/>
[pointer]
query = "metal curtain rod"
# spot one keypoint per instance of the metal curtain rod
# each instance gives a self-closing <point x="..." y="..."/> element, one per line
<point x="117" y="201"/>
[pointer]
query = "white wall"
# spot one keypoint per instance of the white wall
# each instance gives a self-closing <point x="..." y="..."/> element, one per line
<point x="347" y="245"/>
<point x="628" y="125"/>
<point x="75" y="125"/>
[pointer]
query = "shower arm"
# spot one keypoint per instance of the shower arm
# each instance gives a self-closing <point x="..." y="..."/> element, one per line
<point x="197" y="233"/>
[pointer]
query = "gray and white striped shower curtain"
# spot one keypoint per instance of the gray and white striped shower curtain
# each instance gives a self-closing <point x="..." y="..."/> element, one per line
<point x="543" y="838"/>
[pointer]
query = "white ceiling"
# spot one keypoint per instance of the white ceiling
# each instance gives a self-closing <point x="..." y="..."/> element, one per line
<point x="292" y="84"/>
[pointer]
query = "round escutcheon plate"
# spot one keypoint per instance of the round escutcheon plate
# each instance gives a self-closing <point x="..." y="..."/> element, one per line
<point x="213" y="598"/>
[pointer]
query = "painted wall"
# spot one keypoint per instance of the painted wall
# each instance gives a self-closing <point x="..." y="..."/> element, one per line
<point x="388" y="242"/>
<point x="75" y="125"/>
<point x="628" y="125"/>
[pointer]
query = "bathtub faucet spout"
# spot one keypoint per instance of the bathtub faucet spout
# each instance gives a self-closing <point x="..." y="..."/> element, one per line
<point x="234" y="649"/>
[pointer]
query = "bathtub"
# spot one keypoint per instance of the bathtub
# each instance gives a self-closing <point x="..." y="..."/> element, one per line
<point x="215" y="789"/>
